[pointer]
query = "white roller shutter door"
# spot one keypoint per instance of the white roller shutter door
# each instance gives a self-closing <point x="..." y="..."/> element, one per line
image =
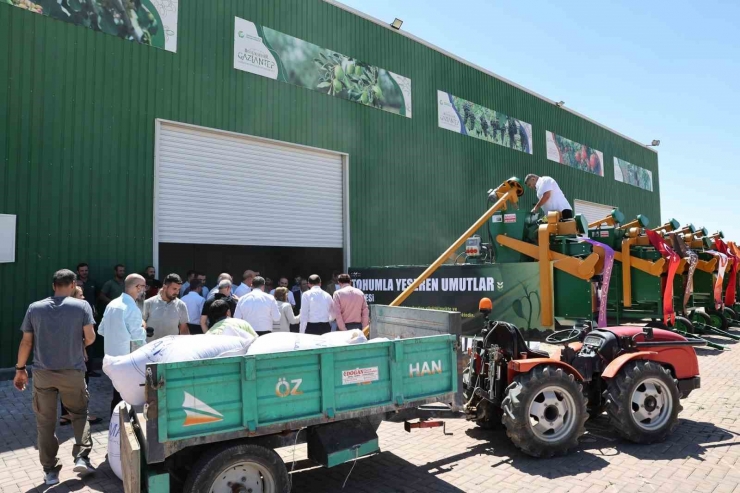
<point x="591" y="210"/>
<point x="216" y="187"/>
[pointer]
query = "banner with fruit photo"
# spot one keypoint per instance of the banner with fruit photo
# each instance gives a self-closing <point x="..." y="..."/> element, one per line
<point x="263" y="51"/>
<point x="149" y="22"/>
<point x="633" y="174"/>
<point x="573" y="154"/>
<point x="461" y="116"/>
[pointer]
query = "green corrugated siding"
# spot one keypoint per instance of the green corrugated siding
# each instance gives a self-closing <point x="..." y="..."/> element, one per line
<point x="77" y="111"/>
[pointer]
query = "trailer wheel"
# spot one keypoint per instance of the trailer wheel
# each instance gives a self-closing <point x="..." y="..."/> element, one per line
<point x="718" y="320"/>
<point x="701" y="317"/>
<point x="643" y="402"/>
<point x="544" y="412"/>
<point x="729" y="314"/>
<point x="239" y="468"/>
<point x="684" y="324"/>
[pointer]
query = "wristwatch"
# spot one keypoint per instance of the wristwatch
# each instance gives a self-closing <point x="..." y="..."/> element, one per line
<point x="20" y="368"/>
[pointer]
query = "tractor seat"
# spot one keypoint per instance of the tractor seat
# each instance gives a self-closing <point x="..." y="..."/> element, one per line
<point x="508" y="337"/>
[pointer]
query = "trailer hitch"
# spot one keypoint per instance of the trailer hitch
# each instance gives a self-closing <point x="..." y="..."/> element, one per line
<point x="423" y="423"/>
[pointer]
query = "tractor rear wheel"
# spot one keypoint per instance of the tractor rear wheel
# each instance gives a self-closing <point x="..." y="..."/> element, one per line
<point x="544" y="411"/>
<point x="643" y="402"/>
<point x="488" y="415"/>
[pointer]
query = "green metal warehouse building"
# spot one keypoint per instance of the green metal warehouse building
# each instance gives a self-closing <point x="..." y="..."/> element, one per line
<point x="286" y="136"/>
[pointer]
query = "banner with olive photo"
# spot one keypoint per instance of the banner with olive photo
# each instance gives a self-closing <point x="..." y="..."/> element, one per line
<point x="573" y="154"/>
<point x="633" y="174"/>
<point x="513" y="289"/>
<point x="263" y="51"/>
<point x="462" y="116"/>
<point x="149" y="22"/>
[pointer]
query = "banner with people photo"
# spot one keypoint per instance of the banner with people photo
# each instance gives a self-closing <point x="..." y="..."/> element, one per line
<point x="633" y="174"/>
<point x="263" y="51"/>
<point x="462" y="116"/>
<point x="573" y="154"/>
<point x="514" y="289"/>
<point x="149" y="22"/>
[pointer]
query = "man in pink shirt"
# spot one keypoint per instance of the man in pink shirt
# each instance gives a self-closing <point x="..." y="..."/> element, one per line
<point x="350" y="307"/>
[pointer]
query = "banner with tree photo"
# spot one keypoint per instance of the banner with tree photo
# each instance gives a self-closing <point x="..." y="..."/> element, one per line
<point x="633" y="174"/>
<point x="573" y="154"/>
<point x="263" y="51"/>
<point x="461" y="116"/>
<point x="149" y="22"/>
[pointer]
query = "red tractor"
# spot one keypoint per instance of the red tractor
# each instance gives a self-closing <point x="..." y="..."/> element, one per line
<point x="637" y="375"/>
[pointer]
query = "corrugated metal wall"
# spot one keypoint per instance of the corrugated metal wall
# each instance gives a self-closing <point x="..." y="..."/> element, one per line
<point x="77" y="111"/>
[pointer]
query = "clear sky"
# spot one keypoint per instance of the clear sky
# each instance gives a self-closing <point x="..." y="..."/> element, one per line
<point x="667" y="70"/>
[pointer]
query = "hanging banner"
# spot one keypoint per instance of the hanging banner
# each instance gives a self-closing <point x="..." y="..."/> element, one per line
<point x="573" y="154"/>
<point x="149" y="22"/>
<point x="633" y="174"/>
<point x="513" y="288"/>
<point x="463" y="117"/>
<point x="263" y="51"/>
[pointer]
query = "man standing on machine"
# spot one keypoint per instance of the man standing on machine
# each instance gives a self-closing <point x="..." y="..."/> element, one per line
<point x="551" y="198"/>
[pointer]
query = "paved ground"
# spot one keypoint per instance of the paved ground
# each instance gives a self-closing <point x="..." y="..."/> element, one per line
<point x="701" y="456"/>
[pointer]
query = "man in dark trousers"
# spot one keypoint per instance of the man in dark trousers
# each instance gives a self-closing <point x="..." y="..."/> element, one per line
<point x="58" y="329"/>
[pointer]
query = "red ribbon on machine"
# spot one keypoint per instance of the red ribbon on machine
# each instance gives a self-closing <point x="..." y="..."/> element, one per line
<point x="669" y="314"/>
<point x="719" y="280"/>
<point x="679" y="246"/>
<point x="722" y="247"/>
<point x="606" y="275"/>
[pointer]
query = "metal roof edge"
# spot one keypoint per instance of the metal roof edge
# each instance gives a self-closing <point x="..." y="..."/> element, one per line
<point x="477" y="67"/>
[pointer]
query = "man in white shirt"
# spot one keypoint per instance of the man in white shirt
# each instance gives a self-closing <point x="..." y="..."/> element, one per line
<point x="316" y="308"/>
<point x="194" y="302"/>
<point x="551" y="198"/>
<point x="283" y="283"/>
<point x="246" y="286"/>
<point x="258" y="308"/>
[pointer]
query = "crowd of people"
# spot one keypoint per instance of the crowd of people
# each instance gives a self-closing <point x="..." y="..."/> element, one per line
<point x="131" y="310"/>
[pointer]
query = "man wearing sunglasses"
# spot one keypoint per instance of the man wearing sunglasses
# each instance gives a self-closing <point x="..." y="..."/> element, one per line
<point x="122" y="323"/>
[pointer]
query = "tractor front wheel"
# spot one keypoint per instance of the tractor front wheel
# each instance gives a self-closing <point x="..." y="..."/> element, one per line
<point x="643" y="402"/>
<point x="544" y="411"/>
<point x="729" y="314"/>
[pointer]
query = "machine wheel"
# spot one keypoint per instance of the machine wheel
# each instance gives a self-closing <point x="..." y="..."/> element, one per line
<point x="684" y="324"/>
<point x="718" y="320"/>
<point x="239" y="468"/>
<point x="544" y="411"/>
<point x="657" y="324"/>
<point x="729" y="314"/>
<point x="643" y="402"/>
<point x="701" y="317"/>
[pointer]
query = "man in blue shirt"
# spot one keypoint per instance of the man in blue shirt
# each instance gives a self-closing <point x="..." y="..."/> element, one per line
<point x="122" y="323"/>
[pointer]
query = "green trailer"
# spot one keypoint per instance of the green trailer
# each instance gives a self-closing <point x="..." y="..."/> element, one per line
<point x="212" y="425"/>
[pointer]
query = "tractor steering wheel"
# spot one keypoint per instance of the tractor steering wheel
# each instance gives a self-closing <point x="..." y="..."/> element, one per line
<point x="564" y="336"/>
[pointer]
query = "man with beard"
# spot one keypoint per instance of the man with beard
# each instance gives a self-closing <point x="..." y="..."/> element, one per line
<point x="122" y="323"/>
<point x="165" y="314"/>
<point x="152" y="285"/>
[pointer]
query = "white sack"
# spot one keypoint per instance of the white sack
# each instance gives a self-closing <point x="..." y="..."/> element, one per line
<point x="114" y="442"/>
<point x="279" y="342"/>
<point x="342" y="337"/>
<point x="128" y="372"/>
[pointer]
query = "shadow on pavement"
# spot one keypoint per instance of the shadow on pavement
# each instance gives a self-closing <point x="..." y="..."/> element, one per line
<point x="690" y="439"/>
<point x="383" y="472"/>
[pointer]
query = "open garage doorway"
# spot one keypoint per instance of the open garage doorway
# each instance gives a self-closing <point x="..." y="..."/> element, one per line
<point x="270" y="262"/>
<point x="227" y="202"/>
